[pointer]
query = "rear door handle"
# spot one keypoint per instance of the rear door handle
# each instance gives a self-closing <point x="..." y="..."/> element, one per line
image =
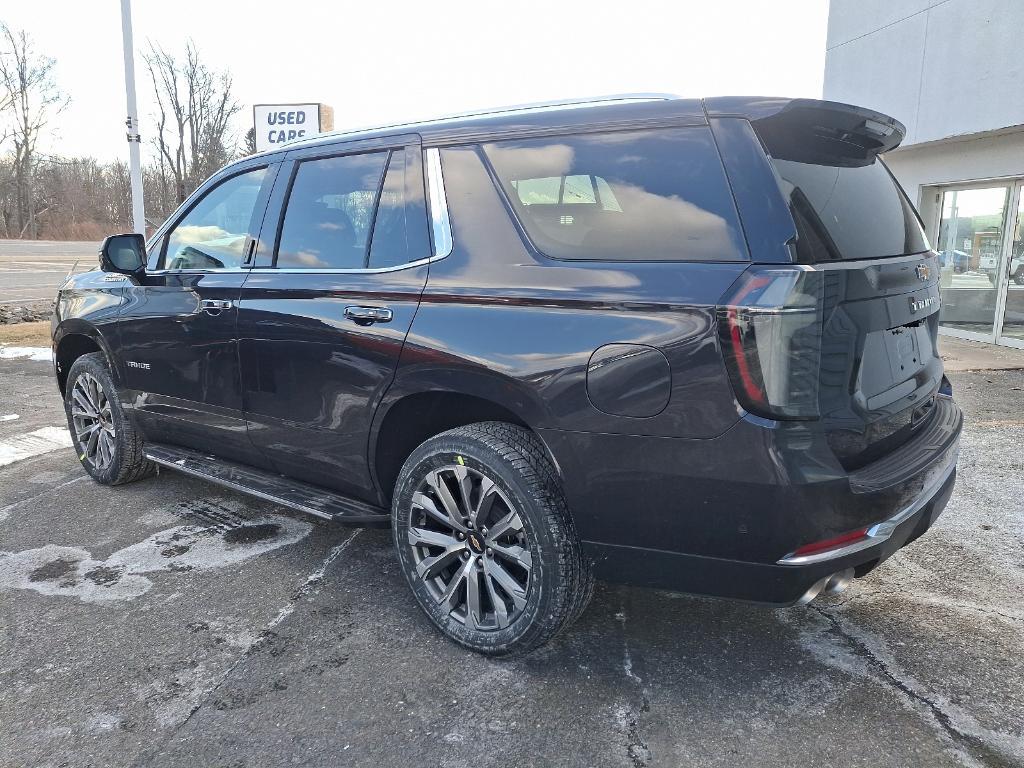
<point x="369" y="315"/>
<point x="215" y="306"/>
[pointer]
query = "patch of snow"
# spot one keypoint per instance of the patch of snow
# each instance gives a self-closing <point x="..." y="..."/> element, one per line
<point x="39" y="354"/>
<point x="33" y="443"/>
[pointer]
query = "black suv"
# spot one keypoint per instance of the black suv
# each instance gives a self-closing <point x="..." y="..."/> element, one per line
<point x="679" y="343"/>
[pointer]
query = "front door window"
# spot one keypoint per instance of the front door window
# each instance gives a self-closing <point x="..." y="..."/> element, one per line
<point x="213" y="234"/>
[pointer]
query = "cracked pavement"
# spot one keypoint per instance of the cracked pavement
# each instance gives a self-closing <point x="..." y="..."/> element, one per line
<point x="171" y="623"/>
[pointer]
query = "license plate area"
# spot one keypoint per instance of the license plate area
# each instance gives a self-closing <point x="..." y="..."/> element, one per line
<point x="903" y="348"/>
<point x="892" y="359"/>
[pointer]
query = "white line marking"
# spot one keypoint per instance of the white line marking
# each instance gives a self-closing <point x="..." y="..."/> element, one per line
<point x="314" y="578"/>
<point x="39" y="354"/>
<point x="9" y="417"/>
<point x="33" y="443"/>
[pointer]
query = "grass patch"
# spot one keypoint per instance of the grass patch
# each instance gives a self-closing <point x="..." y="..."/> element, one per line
<point x="26" y="334"/>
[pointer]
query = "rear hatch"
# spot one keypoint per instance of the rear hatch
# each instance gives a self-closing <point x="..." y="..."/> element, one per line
<point x="847" y="336"/>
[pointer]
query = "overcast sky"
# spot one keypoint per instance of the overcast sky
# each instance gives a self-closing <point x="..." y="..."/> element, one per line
<point x="381" y="62"/>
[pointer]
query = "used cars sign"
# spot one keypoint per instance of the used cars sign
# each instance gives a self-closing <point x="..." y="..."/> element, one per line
<point x="277" y="124"/>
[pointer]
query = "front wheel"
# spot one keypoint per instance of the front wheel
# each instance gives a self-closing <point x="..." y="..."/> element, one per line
<point x="1018" y="276"/>
<point x="485" y="540"/>
<point x="106" y="442"/>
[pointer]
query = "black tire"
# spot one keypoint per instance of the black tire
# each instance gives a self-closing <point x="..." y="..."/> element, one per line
<point x="127" y="462"/>
<point x="1018" y="276"/>
<point x="559" y="582"/>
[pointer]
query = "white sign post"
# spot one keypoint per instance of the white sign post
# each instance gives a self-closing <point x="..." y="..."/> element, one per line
<point x="277" y="124"/>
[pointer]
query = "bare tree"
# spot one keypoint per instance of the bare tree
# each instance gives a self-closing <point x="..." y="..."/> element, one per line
<point x="195" y="107"/>
<point x="248" y="143"/>
<point x="29" y="97"/>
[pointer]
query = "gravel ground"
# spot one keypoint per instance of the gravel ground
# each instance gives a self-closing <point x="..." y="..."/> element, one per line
<point x="172" y="623"/>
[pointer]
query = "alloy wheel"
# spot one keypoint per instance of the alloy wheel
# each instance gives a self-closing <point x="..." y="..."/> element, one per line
<point x="470" y="547"/>
<point x="93" y="421"/>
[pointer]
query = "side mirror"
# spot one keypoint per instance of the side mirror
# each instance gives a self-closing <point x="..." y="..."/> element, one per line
<point x="125" y="254"/>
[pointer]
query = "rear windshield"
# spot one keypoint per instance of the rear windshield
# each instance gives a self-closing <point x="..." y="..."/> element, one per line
<point x="850" y="210"/>
<point x="653" y="195"/>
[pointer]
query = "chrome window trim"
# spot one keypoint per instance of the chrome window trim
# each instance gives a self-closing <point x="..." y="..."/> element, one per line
<point x="352" y="271"/>
<point x="196" y="271"/>
<point x="439" y="220"/>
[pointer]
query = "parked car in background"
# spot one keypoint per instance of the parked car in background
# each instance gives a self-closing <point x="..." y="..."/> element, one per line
<point x="677" y="343"/>
<point x="989" y="264"/>
<point x="959" y="260"/>
<point x="1017" y="268"/>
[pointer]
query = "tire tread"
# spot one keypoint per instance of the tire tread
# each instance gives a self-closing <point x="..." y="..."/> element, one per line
<point x="523" y="451"/>
<point x="132" y="462"/>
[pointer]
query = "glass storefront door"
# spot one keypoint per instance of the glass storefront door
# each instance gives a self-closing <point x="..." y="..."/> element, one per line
<point x="969" y="245"/>
<point x="1013" y="316"/>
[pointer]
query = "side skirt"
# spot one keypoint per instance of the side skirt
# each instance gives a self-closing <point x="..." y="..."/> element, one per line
<point x="268" y="486"/>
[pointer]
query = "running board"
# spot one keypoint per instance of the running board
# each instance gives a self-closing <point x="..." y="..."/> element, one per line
<point x="266" y="485"/>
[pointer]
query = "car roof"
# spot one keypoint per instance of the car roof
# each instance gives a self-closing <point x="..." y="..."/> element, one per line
<point x="617" y="112"/>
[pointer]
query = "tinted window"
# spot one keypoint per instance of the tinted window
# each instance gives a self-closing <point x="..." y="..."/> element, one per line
<point x="390" y="246"/>
<point x="657" y="195"/>
<point x="330" y="212"/>
<point x="213" y="234"/>
<point x="848" y="211"/>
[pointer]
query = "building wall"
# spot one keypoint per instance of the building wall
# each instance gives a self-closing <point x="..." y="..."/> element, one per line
<point x="942" y="67"/>
<point x="955" y="162"/>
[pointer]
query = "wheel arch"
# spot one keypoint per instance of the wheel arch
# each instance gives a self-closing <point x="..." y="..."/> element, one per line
<point x="411" y="417"/>
<point x="72" y="340"/>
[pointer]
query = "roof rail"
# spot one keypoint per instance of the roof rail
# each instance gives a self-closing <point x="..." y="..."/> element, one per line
<point x="540" y="106"/>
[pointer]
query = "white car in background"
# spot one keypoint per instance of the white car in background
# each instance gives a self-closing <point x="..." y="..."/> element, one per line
<point x="990" y="266"/>
<point x="1017" y="269"/>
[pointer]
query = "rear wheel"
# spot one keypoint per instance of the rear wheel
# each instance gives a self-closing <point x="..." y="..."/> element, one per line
<point x="485" y="539"/>
<point x="1018" y="276"/>
<point x="106" y="442"/>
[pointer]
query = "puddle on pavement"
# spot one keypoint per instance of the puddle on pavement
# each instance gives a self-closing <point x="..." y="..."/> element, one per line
<point x="248" y="534"/>
<point x="225" y="537"/>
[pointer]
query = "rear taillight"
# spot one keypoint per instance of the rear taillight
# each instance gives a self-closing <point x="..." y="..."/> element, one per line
<point x="835" y="542"/>
<point x="770" y="328"/>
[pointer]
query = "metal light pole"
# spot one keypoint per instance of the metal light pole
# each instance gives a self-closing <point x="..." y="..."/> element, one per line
<point x="134" y="139"/>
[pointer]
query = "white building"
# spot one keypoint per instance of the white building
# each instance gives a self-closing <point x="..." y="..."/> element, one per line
<point x="952" y="71"/>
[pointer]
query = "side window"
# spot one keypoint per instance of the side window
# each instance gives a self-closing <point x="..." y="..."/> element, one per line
<point x="329" y="213"/>
<point x="400" y="228"/>
<point x="212" y="235"/>
<point x="652" y="195"/>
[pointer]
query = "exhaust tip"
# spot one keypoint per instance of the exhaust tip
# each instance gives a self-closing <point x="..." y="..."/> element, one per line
<point x="830" y="585"/>
<point x="813" y="592"/>
<point x="838" y="582"/>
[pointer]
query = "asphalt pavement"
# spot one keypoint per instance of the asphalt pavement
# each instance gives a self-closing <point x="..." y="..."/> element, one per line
<point x="170" y="622"/>
<point x="31" y="270"/>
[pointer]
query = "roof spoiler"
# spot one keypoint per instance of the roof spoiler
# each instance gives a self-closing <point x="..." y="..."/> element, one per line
<point x="813" y="131"/>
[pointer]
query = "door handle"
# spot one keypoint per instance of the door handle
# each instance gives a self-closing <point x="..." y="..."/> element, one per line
<point x="369" y="315"/>
<point x="215" y="306"/>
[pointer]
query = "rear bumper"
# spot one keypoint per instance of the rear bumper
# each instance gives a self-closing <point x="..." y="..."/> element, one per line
<point x="782" y="583"/>
<point x="724" y="517"/>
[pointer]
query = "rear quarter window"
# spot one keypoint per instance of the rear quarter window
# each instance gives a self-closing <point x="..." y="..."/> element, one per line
<point x="650" y="195"/>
